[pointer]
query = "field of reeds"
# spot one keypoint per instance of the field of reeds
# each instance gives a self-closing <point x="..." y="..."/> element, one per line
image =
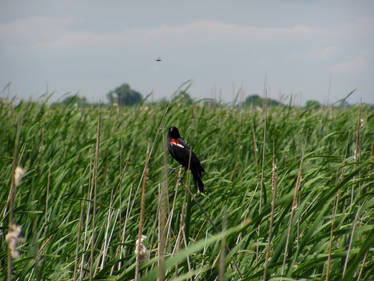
<point x="289" y="193"/>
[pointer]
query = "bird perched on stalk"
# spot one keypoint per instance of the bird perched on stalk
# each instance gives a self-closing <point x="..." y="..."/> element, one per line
<point x="185" y="156"/>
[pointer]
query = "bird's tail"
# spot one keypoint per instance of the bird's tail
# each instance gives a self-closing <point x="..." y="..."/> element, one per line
<point x="198" y="181"/>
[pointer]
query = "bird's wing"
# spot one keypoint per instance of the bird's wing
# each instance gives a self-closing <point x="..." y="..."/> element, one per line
<point x="182" y="142"/>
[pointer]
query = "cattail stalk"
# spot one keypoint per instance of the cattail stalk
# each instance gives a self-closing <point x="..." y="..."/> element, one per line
<point x="293" y="210"/>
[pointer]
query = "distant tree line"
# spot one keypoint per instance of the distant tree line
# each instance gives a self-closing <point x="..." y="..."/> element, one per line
<point x="124" y="95"/>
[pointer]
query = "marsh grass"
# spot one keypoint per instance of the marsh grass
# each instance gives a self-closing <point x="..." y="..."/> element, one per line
<point x="80" y="203"/>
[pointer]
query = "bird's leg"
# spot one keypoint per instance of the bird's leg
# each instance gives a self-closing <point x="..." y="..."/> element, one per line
<point x="182" y="177"/>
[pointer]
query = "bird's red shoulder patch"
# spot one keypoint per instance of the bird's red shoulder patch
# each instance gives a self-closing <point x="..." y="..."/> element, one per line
<point x="176" y="142"/>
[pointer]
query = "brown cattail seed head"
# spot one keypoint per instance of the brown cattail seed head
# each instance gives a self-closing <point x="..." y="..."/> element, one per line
<point x="12" y="238"/>
<point x="141" y="250"/>
<point x="18" y="175"/>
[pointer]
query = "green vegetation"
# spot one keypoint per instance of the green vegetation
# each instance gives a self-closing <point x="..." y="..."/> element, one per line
<point x="182" y="98"/>
<point x="289" y="193"/>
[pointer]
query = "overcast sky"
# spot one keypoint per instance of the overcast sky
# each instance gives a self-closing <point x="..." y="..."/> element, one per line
<point x="308" y="49"/>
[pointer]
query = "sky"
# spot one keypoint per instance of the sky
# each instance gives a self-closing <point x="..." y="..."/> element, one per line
<point x="300" y="49"/>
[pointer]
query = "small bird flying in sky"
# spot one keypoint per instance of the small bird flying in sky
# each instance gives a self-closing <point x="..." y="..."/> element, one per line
<point x="158" y="59"/>
<point x="180" y="151"/>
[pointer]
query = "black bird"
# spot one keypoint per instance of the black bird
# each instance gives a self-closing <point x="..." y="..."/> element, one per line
<point x="182" y="153"/>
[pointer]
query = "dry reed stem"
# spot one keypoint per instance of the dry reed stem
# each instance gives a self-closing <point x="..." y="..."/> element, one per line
<point x="12" y="194"/>
<point x="107" y="236"/>
<point x="351" y="240"/>
<point x="35" y="243"/>
<point x="170" y="218"/>
<point x="78" y="241"/>
<point x="222" y="260"/>
<point x="333" y="226"/>
<point x="332" y="235"/>
<point x="47" y="199"/>
<point x="362" y="267"/>
<point x="142" y="205"/>
<point x="90" y="188"/>
<point x="357" y="154"/>
<point x="163" y="202"/>
<point x="96" y="164"/>
<point x="293" y="210"/>
<point x="181" y="222"/>
<point x="255" y="147"/>
<point x="274" y="182"/>
<point x="264" y="105"/>
<point x="188" y="257"/>
<point x="189" y="206"/>
<point x="120" y="248"/>
<point x="106" y="246"/>
<point x="119" y="189"/>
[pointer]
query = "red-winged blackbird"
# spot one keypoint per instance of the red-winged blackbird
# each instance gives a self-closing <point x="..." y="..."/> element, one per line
<point x="182" y="153"/>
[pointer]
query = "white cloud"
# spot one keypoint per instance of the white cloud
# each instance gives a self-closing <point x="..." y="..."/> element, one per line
<point x="33" y="24"/>
<point x="59" y="34"/>
<point x="316" y="54"/>
<point x="56" y="33"/>
<point x="349" y="66"/>
<point x="361" y="25"/>
<point x="30" y="31"/>
<point x="200" y="32"/>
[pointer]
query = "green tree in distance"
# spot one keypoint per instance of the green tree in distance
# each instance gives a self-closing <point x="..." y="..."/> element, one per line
<point x="72" y="100"/>
<point x="312" y="104"/>
<point x="256" y="100"/>
<point x="124" y="95"/>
